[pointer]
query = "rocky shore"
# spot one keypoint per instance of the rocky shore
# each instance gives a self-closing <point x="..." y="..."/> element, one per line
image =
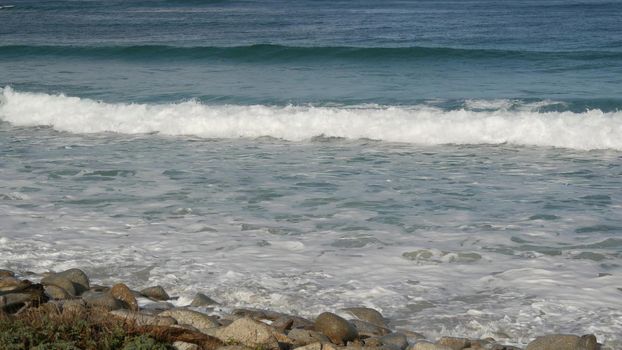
<point x="197" y="326"/>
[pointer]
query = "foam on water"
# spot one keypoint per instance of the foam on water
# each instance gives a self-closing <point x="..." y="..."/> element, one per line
<point x="496" y="124"/>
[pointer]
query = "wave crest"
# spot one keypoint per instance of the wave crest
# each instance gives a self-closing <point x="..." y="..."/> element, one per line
<point x="419" y="124"/>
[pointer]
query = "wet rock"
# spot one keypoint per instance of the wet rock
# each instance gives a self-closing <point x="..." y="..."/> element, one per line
<point x="369" y="330"/>
<point x="57" y="293"/>
<point x="291" y="322"/>
<point x="61" y="282"/>
<point x="201" y="300"/>
<point x="412" y="337"/>
<point x="368" y="315"/>
<point x="158" y="306"/>
<point x="198" y="320"/>
<point x="156" y="293"/>
<point x="422" y="345"/>
<point x="32" y="295"/>
<point x="454" y="343"/>
<point x="497" y="347"/>
<point x="182" y="345"/>
<point x="141" y="319"/>
<point x="564" y="342"/>
<point x="98" y="288"/>
<point x="99" y="299"/>
<point x="6" y="273"/>
<point x="336" y="328"/>
<point x="301" y="337"/>
<point x="78" y="278"/>
<point x="248" y="332"/>
<point x="397" y="340"/>
<point x="121" y="292"/>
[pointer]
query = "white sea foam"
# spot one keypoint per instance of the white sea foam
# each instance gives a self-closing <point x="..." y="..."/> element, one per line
<point x="592" y="129"/>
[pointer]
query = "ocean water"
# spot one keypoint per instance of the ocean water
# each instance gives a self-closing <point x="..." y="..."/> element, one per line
<point x="455" y="164"/>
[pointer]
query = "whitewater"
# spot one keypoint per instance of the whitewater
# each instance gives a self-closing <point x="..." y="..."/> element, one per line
<point x="480" y="122"/>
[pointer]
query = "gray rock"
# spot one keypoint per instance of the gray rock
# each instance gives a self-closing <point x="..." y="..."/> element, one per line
<point x="250" y="333"/>
<point x="122" y="292"/>
<point x="564" y="342"/>
<point x="312" y="346"/>
<point x="98" y="288"/>
<point x="156" y="293"/>
<point x="289" y="322"/>
<point x="141" y="319"/>
<point x="368" y="315"/>
<point x="454" y="342"/>
<point x="336" y="328"/>
<point x="6" y="273"/>
<point x="198" y="320"/>
<point x="72" y="305"/>
<point x="423" y="345"/>
<point x="301" y="337"/>
<point x="55" y="292"/>
<point x="78" y="277"/>
<point x="369" y="330"/>
<point x="498" y="347"/>
<point x="158" y="306"/>
<point x="397" y="340"/>
<point x="412" y="337"/>
<point x="201" y="300"/>
<point x="14" y="299"/>
<point x="61" y="282"/>
<point x="104" y="300"/>
<point x="182" y="345"/>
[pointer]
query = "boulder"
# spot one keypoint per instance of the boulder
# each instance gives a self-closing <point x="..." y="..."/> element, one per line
<point x="198" y="320"/>
<point x="564" y="342"/>
<point x="56" y="293"/>
<point x="454" y="342"/>
<point x="397" y="340"/>
<point x="121" y="292"/>
<point x="78" y="277"/>
<point x="312" y="346"/>
<point x="99" y="299"/>
<point x="141" y="319"/>
<point x="301" y="337"/>
<point x="182" y="345"/>
<point x="72" y="305"/>
<point x="423" y="345"/>
<point x="156" y="293"/>
<point x="368" y="315"/>
<point x="61" y="282"/>
<point x="290" y="322"/>
<point x="158" y="306"/>
<point x="6" y="273"/>
<point x="368" y="329"/>
<point x="250" y="333"/>
<point x="12" y="284"/>
<point x="336" y="328"/>
<point x="201" y="300"/>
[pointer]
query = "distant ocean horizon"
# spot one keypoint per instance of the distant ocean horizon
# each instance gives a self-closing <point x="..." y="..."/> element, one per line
<point x="454" y="164"/>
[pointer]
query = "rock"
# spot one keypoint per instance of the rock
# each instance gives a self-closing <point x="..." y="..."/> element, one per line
<point x="336" y="328"/>
<point x="313" y="346"/>
<point x="234" y="347"/>
<point x="301" y="337"/>
<point x="182" y="345"/>
<point x="290" y="322"/>
<point x="198" y="320"/>
<point x="158" y="306"/>
<point x="368" y="315"/>
<point x="121" y="292"/>
<point x="412" y="337"/>
<point x="248" y="332"/>
<point x="73" y="305"/>
<point x="422" y="345"/>
<point x="143" y="319"/>
<point x="397" y="340"/>
<point x="156" y="293"/>
<point x="201" y="300"/>
<point x="99" y="299"/>
<point x="564" y="342"/>
<point x="12" y="284"/>
<point x="55" y="292"/>
<point x="498" y="347"/>
<point x="61" y="282"/>
<point x="98" y="288"/>
<point x="454" y="343"/>
<point x="368" y="329"/>
<point x="6" y="273"/>
<point x="78" y="277"/>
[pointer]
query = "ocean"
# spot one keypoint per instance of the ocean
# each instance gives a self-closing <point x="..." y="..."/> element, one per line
<point x="456" y="165"/>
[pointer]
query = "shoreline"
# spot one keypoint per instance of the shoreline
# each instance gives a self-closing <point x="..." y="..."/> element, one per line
<point x="205" y="327"/>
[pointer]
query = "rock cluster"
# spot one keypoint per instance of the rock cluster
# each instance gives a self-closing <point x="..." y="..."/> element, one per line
<point x="244" y="329"/>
